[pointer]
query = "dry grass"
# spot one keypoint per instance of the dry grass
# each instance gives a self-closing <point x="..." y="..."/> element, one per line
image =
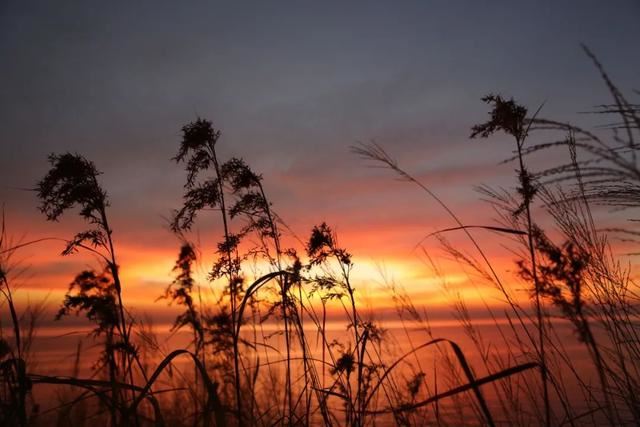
<point x="263" y="353"/>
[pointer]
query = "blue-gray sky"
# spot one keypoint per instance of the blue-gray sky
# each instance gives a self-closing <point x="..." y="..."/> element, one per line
<point x="292" y="85"/>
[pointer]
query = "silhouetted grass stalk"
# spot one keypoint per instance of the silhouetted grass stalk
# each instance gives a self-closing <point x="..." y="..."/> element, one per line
<point x="17" y="365"/>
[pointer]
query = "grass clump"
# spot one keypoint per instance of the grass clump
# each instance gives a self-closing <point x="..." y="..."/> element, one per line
<point x="260" y="348"/>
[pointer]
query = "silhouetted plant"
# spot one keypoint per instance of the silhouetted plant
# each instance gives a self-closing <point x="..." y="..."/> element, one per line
<point x="237" y="192"/>
<point x="15" y="385"/>
<point x="93" y="294"/>
<point x="602" y="171"/>
<point x="609" y="171"/>
<point x="510" y="117"/>
<point x="506" y="116"/>
<point x="323" y="250"/>
<point x="322" y="245"/>
<point x="251" y="203"/>
<point x="198" y="150"/>
<point x="578" y="279"/>
<point x="73" y="181"/>
<point x="563" y="281"/>
<point x="415" y="383"/>
<point x="180" y="291"/>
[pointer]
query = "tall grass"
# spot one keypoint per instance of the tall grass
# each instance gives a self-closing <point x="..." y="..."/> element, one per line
<point x="261" y="351"/>
<point x="581" y="279"/>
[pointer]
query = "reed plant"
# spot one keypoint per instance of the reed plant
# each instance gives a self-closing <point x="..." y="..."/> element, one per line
<point x="261" y="350"/>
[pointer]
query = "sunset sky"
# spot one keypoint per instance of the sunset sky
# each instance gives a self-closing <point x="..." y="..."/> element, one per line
<point x="291" y="85"/>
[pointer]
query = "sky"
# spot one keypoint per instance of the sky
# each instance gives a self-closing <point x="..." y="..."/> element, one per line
<point x="292" y="85"/>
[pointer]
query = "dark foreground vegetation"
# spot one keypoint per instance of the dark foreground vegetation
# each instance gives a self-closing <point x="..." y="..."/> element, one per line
<point x="237" y="372"/>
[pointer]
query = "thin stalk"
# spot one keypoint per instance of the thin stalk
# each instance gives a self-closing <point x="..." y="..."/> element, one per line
<point x="288" y="401"/>
<point x="232" y="286"/>
<point x="599" y="362"/>
<point x="305" y="361"/>
<point x="19" y="366"/>
<point x="115" y="393"/>
<point x="113" y="266"/>
<point x="536" y="284"/>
